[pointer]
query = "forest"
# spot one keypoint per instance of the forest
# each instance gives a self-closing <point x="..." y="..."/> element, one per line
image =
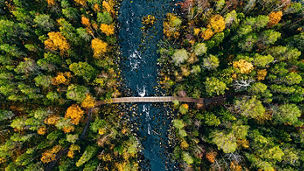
<point x="251" y="54"/>
<point x="59" y="58"/>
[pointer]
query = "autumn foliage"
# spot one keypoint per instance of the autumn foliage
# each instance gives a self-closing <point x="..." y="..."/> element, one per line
<point x="172" y="26"/>
<point x="148" y="20"/>
<point x="243" y="66"/>
<point x="274" y="18"/>
<point x="72" y="150"/>
<point x="207" y="34"/>
<point x="107" y="29"/>
<point x="85" y="21"/>
<point x="75" y="113"/>
<point x="50" y="155"/>
<point x="99" y="47"/>
<point x="57" y="41"/>
<point x="88" y="102"/>
<point x="217" y="23"/>
<point x="61" y="78"/>
<point x="210" y="156"/>
<point x="108" y="6"/>
<point x="42" y="130"/>
<point x="52" y="120"/>
<point x="261" y="74"/>
<point x="68" y="129"/>
<point x="51" y="2"/>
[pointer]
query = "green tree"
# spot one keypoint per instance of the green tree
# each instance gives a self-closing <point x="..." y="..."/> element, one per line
<point x="224" y="141"/>
<point x="262" y="60"/>
<point x="240" y="131"/>
<point x="180" y="56"/>
<point x="45" y="22"/>
<point x="70" y="13"/>
<point x="9" y="31"/>
<point x="43" y="80"/>
<point x="219" y="5"/>
<point x="211" y="62"/>
<point x="83" y="34"/>
<point x="69" y="31"/>
<point x="187" y="158"/>
<point x="231" y="19"/>
<point x="77" y="92"/>
<point x="269" y="37"/>
<point x="12" y="50"/>
<point x="215" y="86"/>
<point x="179" y="124"/>
<point x="84" y="70"/>
<point x="291" y="155"/>
<point x="211" y="119"/>
<point x="275" y="153"/>
<point x="297" y="41"/>
<point x="282" y="89"/>
<point x="200" y="49"/>
<point x="249" y="107"/>
<point x="244" y="29"/>
<point x="292" y="78"/>
<point x="87" y="155"/>
<point x="248" y="42"/>
<point x="287" y="114"/>
<point x="6" y="114"/>
<point x="26" y="67"/>
<point x="282" y="53"/>
<point x="258" y="88"/>
<point x="261" y="22"/>
<point x="52" y="96"/>
<point x="104" y="18"/>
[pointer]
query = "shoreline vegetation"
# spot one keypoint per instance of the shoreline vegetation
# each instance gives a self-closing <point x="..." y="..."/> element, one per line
<point x="251" y="51"/>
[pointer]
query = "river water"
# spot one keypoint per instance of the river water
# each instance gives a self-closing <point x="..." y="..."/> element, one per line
<point x="139" y="72"/>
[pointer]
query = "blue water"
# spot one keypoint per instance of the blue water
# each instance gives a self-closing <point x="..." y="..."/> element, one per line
<point x="139" y="72"/>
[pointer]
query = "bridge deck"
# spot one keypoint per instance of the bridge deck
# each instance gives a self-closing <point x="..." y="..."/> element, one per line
<point x="151" y="100"/>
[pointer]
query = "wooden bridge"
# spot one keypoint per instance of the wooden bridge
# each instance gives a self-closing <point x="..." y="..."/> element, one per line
<point x="204" y="101"/>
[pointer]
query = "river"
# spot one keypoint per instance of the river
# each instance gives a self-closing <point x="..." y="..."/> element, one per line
<point x="139" y="72"/>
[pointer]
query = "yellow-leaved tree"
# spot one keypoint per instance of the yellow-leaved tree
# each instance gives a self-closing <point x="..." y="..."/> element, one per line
<point x="88" y="102"/>
<point x="207" y="34"/>
<point x="107" y="29"/>
<point x="243" y="66"/>
<point x="262" y="74"/>
<point x="217" y="23"/>
<point x="57" y="41"/>
<point x="99" y="47"/>
<point x="108" y="6"/>
<point x="61" y="78"/>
